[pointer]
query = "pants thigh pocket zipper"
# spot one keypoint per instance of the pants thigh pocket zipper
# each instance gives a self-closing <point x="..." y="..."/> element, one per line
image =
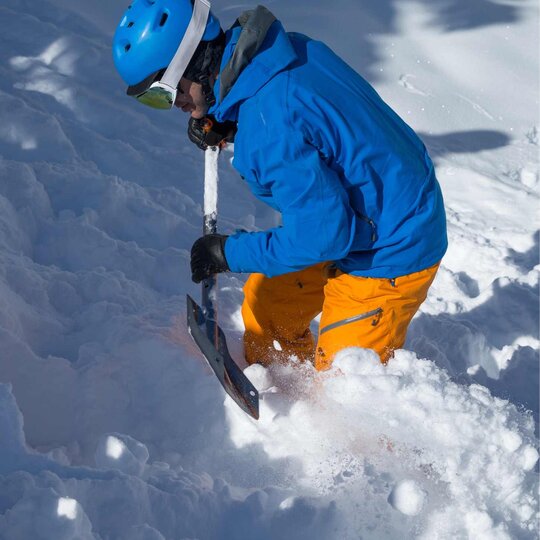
<point x="375" y="313"/>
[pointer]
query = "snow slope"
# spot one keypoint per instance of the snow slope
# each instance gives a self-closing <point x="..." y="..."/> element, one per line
<point x="113" y="427"/>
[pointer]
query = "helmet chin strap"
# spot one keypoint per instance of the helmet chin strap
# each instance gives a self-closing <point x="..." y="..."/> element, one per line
<point x="204" y="64"/>
<point x="208" y="91"/>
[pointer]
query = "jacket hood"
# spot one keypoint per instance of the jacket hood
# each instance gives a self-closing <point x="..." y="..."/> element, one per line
<point x="257" y="48"/>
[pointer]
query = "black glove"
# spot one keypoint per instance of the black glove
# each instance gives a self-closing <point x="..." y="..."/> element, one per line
<point x="208" y="257"/>
<point x="205" y="132"/>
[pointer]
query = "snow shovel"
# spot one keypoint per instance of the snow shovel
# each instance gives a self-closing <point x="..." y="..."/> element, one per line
<point x="202" y="322"/>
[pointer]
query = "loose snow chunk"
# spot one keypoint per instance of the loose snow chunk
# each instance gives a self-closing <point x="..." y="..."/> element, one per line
<point x="67" y="507"/>
<point x="259" y="377"/>
<point x="480" y="525"/>
<point x="407" y="497"/>
<point x="511" y="440"/>
<point x="121" y="452"/>
<point x="287" y="503"/>
<point x="115" y="447"/>
<point x="357" y="361"/>
<point x="41" y="513"/>
<point x="529" y="457"/>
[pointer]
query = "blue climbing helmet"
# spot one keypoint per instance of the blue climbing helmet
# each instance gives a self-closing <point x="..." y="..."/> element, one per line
<point x="159" y="41"/>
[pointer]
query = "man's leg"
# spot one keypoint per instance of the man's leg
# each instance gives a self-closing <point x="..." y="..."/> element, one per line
<point x="369" y="312"/>
<point x="277" y="313"/>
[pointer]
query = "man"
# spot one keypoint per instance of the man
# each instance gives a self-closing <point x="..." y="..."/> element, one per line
<point x="364" y="226"/>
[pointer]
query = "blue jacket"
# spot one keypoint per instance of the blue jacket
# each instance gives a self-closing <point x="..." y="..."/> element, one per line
<point x="353" y="182"/>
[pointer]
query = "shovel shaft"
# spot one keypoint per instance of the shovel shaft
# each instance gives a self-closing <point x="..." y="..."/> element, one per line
<point x="202" y="321"/>
<point x="209" y="286"/>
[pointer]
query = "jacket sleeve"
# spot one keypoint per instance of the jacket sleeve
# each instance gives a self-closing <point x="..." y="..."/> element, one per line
<point x="318" y="221"/>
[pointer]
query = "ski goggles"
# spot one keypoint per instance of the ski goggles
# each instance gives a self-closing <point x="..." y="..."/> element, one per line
<point x="159" y="89"/>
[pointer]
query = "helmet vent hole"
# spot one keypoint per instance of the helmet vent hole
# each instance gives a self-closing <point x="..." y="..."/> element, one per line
<point x="164" y="18"/>
<point x="127" y="47"/>
<point x="130" y="24"/>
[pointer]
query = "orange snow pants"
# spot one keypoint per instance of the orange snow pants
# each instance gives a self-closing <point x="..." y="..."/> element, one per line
<point x="373" y="313"/>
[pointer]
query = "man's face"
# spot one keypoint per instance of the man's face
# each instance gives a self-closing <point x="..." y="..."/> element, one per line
<point x="190" y="98"/>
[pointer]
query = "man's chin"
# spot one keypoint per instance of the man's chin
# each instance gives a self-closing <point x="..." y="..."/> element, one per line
<point x="198" y="112"/>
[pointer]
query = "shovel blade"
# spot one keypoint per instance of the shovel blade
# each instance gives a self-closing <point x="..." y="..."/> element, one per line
<point x="231" y="377"/>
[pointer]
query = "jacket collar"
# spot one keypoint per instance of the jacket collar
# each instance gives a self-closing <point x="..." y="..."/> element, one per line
<point x="274" y="54"/>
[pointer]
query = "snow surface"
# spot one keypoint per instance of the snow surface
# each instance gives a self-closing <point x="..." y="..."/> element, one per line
<point x="111" y="424"/>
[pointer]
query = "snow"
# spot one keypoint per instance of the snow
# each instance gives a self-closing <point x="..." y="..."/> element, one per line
<point x="121" y="452"/>
<point x="422" y="432"/>
<point x="67" y="507"/>
<point x="407" y="497"/>
<point x="112" y="426"/>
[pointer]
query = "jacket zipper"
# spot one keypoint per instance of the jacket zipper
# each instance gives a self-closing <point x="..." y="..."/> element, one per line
<point x="371" y="223"/>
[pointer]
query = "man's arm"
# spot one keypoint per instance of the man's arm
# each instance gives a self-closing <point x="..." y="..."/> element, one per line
<point x="318" y="221"/>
